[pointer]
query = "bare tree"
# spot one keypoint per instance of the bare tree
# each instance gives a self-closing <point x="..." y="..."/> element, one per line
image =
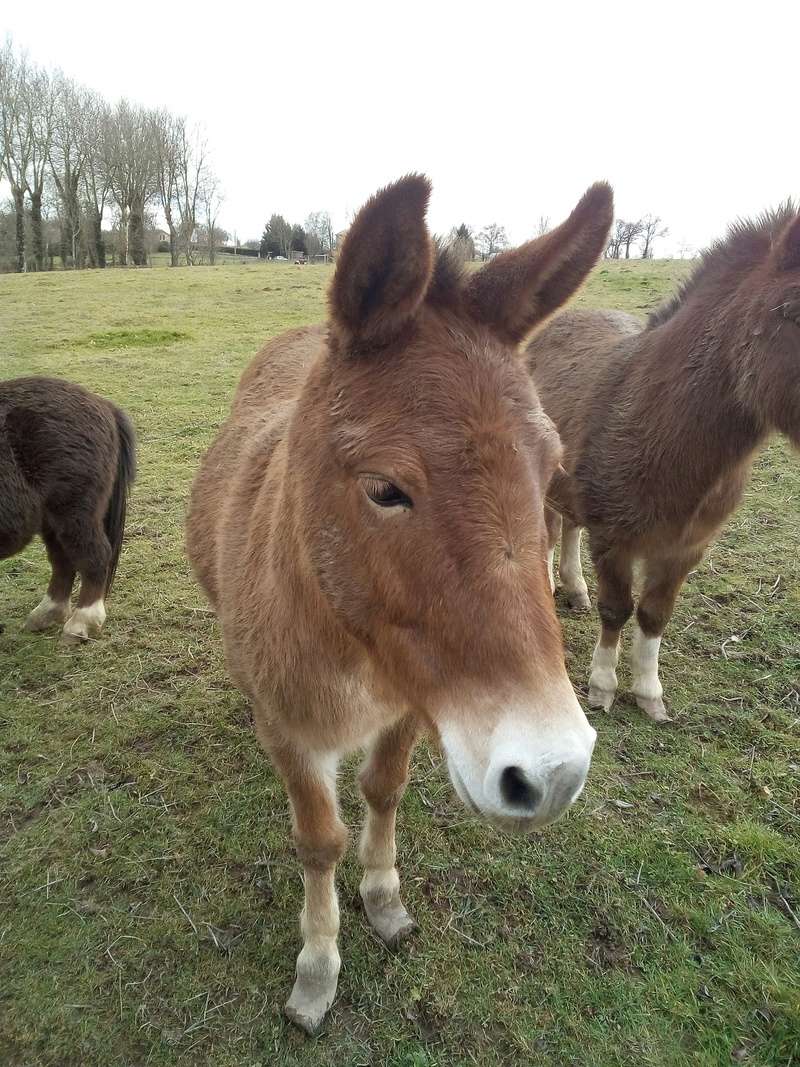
<point x="96" y="132"/>
<point x="40" y="111"/>
<point x="134" y="176"/>
<point x="168" y="140"/>
<point x="632" y="231"/>
<point x="211" y="199"/>
<point x="67" y="157"/>
<point x="319" y="232"/>
<point x="16" y="137"/>
<point x="651" y="233"/>
<point x="192" y="166"/>
<point x="491" y="239"/>
<point x="543" y="225"/>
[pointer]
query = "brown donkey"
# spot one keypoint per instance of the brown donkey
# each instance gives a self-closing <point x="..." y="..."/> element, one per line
<point x="67" y="461"/>
<point x="369" y="526"/>
<point x="660" y="426"/>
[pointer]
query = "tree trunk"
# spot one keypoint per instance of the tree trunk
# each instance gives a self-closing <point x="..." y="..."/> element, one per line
<point x="19" y="233"/>
<point x="36" y="230"/>
<point x="173" y="247"/>
<point x="136" y="234"/>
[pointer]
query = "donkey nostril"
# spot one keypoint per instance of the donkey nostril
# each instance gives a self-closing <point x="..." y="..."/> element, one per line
<point x="517" y="791"/>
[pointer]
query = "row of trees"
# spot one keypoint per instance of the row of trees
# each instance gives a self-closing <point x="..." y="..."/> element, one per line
<point x="281" y="238"/>
<point x="65" y="150"/>
<point x="641" y="233"/>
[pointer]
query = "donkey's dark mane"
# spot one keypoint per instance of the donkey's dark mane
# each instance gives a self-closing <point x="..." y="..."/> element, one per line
<point x="746" y="243"/>
<point x="448" y="276"/>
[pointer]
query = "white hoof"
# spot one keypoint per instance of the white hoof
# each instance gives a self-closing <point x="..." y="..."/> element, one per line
<point x="314" y="989"/>
<point x="84" y="623"/>
<point x="387" y="916"/>
<point x="47" y="613"/>
<point x="579" y="601"/>
<point x="601" y="698"/>
<point x="654" y="707"/>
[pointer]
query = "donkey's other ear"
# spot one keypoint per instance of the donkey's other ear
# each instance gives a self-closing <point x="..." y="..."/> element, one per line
<point x="787" y="248"/>
<point x="384" y="267"/>
<point x="519" y="289"/>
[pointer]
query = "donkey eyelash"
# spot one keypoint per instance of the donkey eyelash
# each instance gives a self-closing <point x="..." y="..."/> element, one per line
<point x="385" y="493"/>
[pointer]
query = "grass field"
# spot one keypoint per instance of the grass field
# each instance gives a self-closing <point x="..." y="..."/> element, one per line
<point x="149" y="896"/>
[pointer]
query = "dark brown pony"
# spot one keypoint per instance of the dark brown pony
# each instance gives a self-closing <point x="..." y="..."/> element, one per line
<point x="67" y="460"/>
<point x="660" y="427"/>
<point x="369" y="526"/>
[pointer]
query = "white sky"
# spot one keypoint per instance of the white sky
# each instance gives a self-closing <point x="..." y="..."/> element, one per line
<point x="689" y="109"/>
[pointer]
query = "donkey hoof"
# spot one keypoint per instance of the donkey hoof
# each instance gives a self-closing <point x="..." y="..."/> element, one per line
<point x="579" y="602"/>
<point x="71" y="639"/>
<point x="654" y="708"/>
<point x="307" y="1008"/>
<point x="601" y="698"/>
<point x="391" y="923"/>
<point x="48" y="613"/>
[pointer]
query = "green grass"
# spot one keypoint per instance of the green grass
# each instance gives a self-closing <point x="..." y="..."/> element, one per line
<point x="148" y="892"/>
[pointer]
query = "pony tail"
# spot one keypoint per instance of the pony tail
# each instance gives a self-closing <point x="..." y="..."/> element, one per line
<point x="116" y="512"/>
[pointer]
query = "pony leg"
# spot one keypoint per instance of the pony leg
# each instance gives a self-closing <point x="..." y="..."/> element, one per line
<point x="615" y="605"/>
<point x="320" y="840"/>
<point x="570" y="568"/>
<point x="54" y="607"/>
<point x="383" y="781"/>
<point x="663" y="579"/>
<point x="91" y="553"/>
<point x="553" y="522"/>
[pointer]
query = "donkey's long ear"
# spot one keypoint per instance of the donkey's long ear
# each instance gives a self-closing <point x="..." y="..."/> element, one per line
<point x="519" y="289"/>
<point x="787" y="248"/>
<point x="384" y="267"/>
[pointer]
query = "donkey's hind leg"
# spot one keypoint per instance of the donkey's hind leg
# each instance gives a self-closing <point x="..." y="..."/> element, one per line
<point x="570" y="569"/>
<point x="615" y="605"/>
<point x="662" y="581"/>
<point x="90" y="551"/>
<point x="383" y="781"/>
<point x="54" y="607"/>
<point x="320" y="840"/>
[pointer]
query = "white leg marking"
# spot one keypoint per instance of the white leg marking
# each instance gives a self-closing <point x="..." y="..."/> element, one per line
<point x="647" y="686"/>
<point x="85" y="622"/>
<point x="380" y="886"/>
<point x="603" y="679"/>
<point x="319" y="962"/>
<point x="317" y="970"/>
<point x="571" y="570"/>
<point x="46" y="613"/>
<point x="551" y="555"/>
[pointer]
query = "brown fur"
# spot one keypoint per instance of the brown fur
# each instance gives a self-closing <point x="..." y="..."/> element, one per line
<point x="344" y="621"/>
<point x="67" y="460"/>
<point x="660" y="425"/>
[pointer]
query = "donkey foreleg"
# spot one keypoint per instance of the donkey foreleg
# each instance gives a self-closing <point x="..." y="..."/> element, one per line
<point x="570" y="568"/>
<point x="383" y="780"/>
<point x="615" y="605"/>
<point x="320" y="840"/>
<point x="663" y="579"/>
<point x="553" y="523"/>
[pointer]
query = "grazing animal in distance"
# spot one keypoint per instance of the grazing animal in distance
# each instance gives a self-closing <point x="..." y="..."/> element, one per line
<point x="660" y="426"/>
<point x="369" y="526"/>
<point x="67" y="462"/>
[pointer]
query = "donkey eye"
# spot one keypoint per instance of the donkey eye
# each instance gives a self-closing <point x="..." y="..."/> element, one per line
<point x="384" y="493"/>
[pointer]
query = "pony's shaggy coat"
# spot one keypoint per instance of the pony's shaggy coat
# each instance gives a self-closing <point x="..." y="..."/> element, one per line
<point x="67" y="461"/>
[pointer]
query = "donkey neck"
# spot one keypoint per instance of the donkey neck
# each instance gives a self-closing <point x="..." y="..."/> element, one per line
<point x="675" y="405"/>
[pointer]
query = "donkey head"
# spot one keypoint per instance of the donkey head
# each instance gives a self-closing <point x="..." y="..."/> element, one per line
<point x="425" y="460"/>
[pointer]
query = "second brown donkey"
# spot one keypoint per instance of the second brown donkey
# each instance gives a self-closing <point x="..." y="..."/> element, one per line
<point x="660" y="426"/>
<point x="369" y="527"/>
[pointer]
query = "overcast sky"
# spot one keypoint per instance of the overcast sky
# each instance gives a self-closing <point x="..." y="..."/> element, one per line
<point x="689" y="109"/>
